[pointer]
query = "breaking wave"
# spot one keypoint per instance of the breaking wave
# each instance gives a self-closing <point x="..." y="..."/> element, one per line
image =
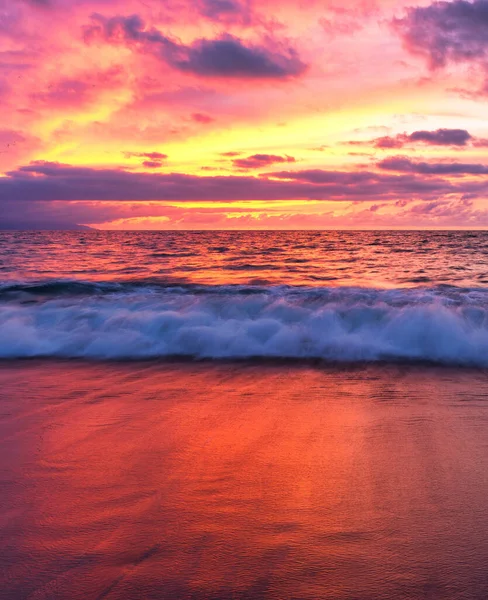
<point x="140" y="320"/>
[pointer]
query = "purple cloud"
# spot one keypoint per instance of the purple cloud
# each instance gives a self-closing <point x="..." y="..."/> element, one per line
<point x="439" y="137"/>
<point x="226" y="10"/>
<point x="226" y="56"/>
<point x="45" y="181"/>
<point x="446" y="31"/>
<point x="374" y="186"/>
<point x="41" y="3"/>
<point x="57" y="196"/>
<point x="406" y="165"/>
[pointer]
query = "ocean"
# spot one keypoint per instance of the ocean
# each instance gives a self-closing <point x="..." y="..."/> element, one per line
<point x="336" y="296"/>
<point x="244" y="415"/>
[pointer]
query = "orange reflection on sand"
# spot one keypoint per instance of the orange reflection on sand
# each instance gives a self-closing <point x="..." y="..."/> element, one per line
<point x="195" y="481"/>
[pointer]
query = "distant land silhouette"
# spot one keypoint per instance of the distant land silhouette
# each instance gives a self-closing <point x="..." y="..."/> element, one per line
<point x="37" y="225"/>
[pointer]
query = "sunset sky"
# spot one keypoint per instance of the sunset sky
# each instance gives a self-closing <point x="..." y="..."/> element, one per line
<point x="237" y="114"/>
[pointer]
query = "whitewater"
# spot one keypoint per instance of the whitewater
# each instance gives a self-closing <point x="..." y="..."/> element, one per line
<point x="131" y="321"/>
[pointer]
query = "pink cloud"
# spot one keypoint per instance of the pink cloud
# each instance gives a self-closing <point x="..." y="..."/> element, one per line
<point x="259" y="161"/>
<point x="202" y="118"/>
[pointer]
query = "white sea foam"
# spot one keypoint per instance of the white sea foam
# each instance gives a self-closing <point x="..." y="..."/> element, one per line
<point x="443" y="326"/>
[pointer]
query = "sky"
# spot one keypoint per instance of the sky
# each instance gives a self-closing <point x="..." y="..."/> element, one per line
<point x="243" y="114"/>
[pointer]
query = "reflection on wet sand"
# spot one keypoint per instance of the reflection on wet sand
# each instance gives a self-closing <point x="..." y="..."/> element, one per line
<point x="201" y="481"/>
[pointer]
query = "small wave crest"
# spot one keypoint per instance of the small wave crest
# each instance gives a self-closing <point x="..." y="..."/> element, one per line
<point x="128" y="321"/>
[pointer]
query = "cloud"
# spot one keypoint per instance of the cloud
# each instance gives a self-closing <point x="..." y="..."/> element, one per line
<point x="450" y="212"/>
<point x="16" y="146"/>
<point x="152" y="164"/>
<point x="345" y="21"/>
<point x="47" y="181"/>
<point x="228" y="11"/>
<point x="9" y="138"/>
<point x="406" y="165"/>
<point x="230" y="57"/>
<point x="11" y="20"/>
<point x="446" y="32"/>
<point x="78" y="91"/>
<point x="259" y="161"/>
<point x="480" y="143"/>
<point x="41" y="3"/>
<point x="358" y="185"/>
<point x="202" y="118"/>
<point x="383" y="142"/>
<point x="226" y="56"/>
<point x="16" y="60"/>
<point x="439" y="137"/>
<point x="154" y="160"/>
<point x="65" y="93"/>
<point x="150" y="155"/>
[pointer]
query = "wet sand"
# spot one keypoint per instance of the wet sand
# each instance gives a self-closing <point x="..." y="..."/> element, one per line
<point x="242" y="481"/>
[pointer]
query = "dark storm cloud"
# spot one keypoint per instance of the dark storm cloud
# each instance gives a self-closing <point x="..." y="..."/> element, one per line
<point x="226" y="56"/>
<point x="446" y="31"/>
<point x="258" y="161"/>
<point x="405" y="165"/>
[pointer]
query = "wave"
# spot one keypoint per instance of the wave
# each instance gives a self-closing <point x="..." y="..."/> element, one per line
<point x="140" y="320"/>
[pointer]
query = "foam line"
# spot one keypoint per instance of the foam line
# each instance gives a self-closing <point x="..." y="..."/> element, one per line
<point x="124" y="321"/>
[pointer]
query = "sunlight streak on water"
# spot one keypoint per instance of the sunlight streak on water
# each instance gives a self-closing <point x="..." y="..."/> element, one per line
<point x="352" y="258"/>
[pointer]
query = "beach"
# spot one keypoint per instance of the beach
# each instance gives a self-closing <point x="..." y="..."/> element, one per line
<point x="242" y="480"/>
<point x="243" y="300"/>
